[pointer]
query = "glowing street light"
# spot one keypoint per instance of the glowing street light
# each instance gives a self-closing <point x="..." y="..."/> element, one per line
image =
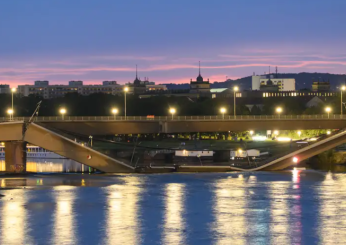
<point x="343" y="88"/>
<point x="328" y="132"/>
<point x="114" y="111"/>
<point x="10" y="112"/>
<point x="328" y="110"/>
<point x="62" y="112"/>
<point x="172" y="111"/>
<point x="278" y="111"/>
<point x="13" y="90"/>
<point x="126" y="89"/>
<point x="235" y="89"/>
<point x="299" y="133"/>
<point x="276" y="132"/>
<point x="251" y="132"/>
<point x="223" y="111"/>
<point x="295" y="159"/>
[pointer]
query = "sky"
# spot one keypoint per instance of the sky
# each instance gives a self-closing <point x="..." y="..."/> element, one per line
<point x="94" y="41"/>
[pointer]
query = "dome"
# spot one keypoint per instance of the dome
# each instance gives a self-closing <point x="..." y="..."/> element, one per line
<point x="269" y="82"/>
<point x="199" y="78"/>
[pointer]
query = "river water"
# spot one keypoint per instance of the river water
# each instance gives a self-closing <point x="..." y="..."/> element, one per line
<point x="290" y="207"/>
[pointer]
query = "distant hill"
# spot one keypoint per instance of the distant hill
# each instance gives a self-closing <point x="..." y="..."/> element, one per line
<point x="303" y="80"/>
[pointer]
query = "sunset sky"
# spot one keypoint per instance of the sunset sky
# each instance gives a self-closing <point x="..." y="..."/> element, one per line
<point x="93" y="41"/>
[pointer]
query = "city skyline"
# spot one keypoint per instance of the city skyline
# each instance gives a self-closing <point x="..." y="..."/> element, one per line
<point x="93" y="42"/>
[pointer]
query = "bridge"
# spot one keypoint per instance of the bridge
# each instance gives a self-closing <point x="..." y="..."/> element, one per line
<point x="44" y="132"/>
<point x="108" y="125"/>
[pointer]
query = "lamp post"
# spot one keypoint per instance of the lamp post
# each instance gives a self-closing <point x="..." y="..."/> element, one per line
<point x="126" y="89"/>
<point x="91" y="140"/>
<point x="343" y="88"/>
<point x="10" y="112"/>
<point x="223" y="111"/>
<point x="172" y="111"/>
<point x="278" y="110"/>
<point x="114" y="111"/>
<point x="328" y="110"/>
<point x="13" y="90"/>
<point x="62" y="112"/>
<point x="235" y="89"/>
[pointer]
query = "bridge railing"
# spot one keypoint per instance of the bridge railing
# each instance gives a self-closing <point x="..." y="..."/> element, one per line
<point x="179" y="118"/>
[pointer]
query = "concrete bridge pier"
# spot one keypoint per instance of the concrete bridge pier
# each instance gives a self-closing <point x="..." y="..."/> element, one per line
<point x="15" y="156"/>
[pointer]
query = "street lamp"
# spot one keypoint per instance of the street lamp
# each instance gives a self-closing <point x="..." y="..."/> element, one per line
<point x="251" y="132"/>
<point x="10" y="112"/>
<point x="328" y="110"/>
<point x="328" y="132"/>
<point x="114" y="111"/>
<point x="299" y="133"/>
<point x="126" y="89"/>
<point x="235" y="89"/>
<point x="91" y="140"/>
<point x="278" y="110"/>
<point x="13" y="90"/>
<point x="62" y="112"/>
<point x="172" y="111"/>
<point x="343" y="88"/>
<point x="223" y="111"/>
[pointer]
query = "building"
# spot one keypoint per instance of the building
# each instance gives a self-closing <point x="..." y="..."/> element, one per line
<point x="41" y="83"/>
<point x="75" y="83"/>
<point x="320" y="86"/>
<point x="199" y="86"/>
<point x="272" y="83"/>
<point x="5" y="89"/>
<point x="43" y="89"/>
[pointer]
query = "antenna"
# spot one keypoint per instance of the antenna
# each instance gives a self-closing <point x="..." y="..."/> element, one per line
<point x="136" y="71"/>
<point x="199" y="64"/>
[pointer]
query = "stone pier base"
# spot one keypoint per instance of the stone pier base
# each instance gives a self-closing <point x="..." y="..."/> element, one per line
<point x="15" y="156"/>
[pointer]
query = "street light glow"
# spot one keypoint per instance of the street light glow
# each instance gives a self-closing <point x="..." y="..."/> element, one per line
<point x="126" y="89"/>
<point x="328" y="132"/>
<point x="251" y="132"/>
<point x="276" y="132"/>
<point x="328" y="109"/>
<point x="343" y="88"/>
<point x="62" y="111"/>
<point x="223" y="110"/>
<point x="172" y="110"/>
<point x="295" y="159"/>
<point x="10" y="111"/>
<point x="278" y="109"/>
<point x="236" y="88"/>
<point x="299" y="133"/>
<point x="114" y="110"/>
<point x="13" y="90"/>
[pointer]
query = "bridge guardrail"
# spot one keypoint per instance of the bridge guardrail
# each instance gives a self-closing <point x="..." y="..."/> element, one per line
<point x="178" y="118"/>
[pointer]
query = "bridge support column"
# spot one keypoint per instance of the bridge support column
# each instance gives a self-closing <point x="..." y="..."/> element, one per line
<point x="15" y="156"/>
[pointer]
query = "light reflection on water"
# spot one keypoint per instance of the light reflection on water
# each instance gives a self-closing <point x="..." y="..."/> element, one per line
<point x="174" y="220"/>
<point x="250" y="208"/>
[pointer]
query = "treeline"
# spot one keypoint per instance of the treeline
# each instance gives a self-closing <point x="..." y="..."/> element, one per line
<point x="101" y="105"/>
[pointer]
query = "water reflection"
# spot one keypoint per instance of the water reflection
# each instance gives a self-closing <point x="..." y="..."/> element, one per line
<point x="64" y="216"/>
<point x="230" y="208"/>
<point x="174" y="225"/>
<point x="13" y="218"/>
<point x="279" y="212"/>
<point x="333" y="208"/>
<point x="122" y="214"/>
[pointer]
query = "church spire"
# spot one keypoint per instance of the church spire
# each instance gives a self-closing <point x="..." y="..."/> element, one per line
<point x="199" y="69"/>
<point x="136" y="72"/>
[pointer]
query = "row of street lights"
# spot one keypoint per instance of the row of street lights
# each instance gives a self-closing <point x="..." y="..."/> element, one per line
<point x="173" y="111"/>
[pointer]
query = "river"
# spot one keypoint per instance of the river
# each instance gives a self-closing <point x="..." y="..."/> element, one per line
<point x="292" y="207"/>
